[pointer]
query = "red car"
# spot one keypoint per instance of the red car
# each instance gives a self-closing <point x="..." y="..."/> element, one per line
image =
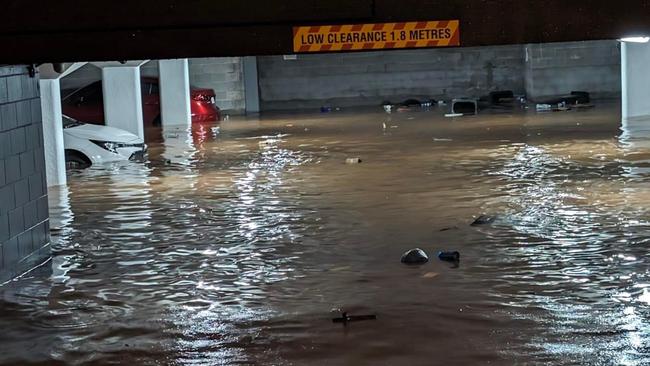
<point x="87" y="104"/>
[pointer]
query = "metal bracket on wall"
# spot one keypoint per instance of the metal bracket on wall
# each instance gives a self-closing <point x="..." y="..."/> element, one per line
<point x="31" y="70"/>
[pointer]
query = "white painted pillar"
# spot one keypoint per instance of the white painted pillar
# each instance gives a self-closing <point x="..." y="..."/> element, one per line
<point x="53" y="121"/>
<point x="635" y="78"/>
<point x="251" y="84"/>
<point x="53" y="132"/>
<point x="175" y="92"/>
<point x="123" y="98"/>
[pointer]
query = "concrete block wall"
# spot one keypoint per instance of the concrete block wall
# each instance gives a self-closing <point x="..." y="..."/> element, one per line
<point x="24" y="223"/>
<point x="368" y="78"/>
<point x="559" y="68"/>
<point x="225" y="76"/>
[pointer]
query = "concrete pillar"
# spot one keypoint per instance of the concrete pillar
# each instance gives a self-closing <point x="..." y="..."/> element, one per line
<point x="123" y="98"/>
<point x="53" y="132"/>
<point x="635" y="79"/>
<point x="54" y="149"/>
<point x="251" y="85"/>
<point x="175" y="92"/>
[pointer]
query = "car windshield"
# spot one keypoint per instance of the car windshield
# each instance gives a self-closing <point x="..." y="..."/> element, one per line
<point x="69" y="122"/>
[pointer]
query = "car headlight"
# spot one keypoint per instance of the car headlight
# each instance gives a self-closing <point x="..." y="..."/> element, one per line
<point x="106" y="145"/>
<point x="113" y="146"/>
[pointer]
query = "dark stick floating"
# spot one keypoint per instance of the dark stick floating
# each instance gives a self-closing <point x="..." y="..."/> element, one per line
<point x="345" y="318"/>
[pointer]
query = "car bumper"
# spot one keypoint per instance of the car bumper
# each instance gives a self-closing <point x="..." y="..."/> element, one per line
<point x="138" y="156"/>
<point x="134" y="153"/>
<point x="205" y="112"/>
<point x="202" y="118"/>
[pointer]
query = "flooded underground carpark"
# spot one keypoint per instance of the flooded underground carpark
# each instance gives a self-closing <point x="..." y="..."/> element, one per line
<point x="477" y="206"/>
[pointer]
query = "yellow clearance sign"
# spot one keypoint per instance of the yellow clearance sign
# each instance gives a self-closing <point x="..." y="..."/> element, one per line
<point x="356" y="37"/>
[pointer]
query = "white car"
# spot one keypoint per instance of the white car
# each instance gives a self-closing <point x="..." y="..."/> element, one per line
<point x="88" y="144"/>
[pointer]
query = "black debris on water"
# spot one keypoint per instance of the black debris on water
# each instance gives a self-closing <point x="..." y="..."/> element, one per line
<point x="345" y="318"/>
<point x="483" y="220"/>
<point x="449" y="256"/>
<point x="415" y="256"/>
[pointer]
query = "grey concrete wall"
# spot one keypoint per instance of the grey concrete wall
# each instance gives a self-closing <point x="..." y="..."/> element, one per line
<point x="368" y="78"/>
<point x="225" y="76"/>
<point x="371" y="77"/>
<point x="559" y="68"/>
<point x="24" y="223"/>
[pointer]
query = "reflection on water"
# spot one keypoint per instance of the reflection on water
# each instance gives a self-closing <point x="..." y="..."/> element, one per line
<point x="234" y="243"/>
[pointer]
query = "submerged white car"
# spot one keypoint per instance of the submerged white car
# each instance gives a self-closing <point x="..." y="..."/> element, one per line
<point x="87" y="144"/>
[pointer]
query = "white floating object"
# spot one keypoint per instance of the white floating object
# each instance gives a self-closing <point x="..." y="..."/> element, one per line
<point x="268" y="142"/>
<point x="265" y="137"/>
<point x="453" y="115"/>
<point x="353" y="160"/>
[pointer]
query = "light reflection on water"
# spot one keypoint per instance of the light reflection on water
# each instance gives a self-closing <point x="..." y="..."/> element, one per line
<point x="234" y="242"/>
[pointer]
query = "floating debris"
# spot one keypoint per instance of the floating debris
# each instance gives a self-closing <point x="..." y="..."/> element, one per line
<point x="452" y="115"/>
<point x="415" y="256"/>
<point x="483" y="220"/>
<point x="353" y="160"/>
<point x="449" y="228"/>
<point x="345" y="318"/>
<point x="449" y="256"/>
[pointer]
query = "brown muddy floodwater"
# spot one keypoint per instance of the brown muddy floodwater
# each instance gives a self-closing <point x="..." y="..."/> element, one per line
<point x="236" y="244"/>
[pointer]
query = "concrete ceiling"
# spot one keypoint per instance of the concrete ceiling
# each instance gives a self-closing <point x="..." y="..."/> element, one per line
<point x="69" y="30"/>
